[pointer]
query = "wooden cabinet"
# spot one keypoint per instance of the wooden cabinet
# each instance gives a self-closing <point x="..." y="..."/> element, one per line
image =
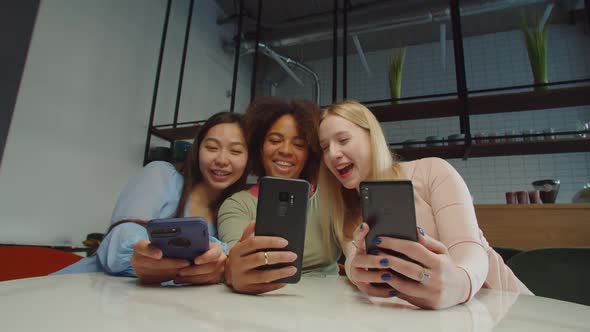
<point x="535" y="225"/>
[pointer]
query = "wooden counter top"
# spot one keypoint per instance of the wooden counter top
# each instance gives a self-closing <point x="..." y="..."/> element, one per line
<point x="535" y="225"/>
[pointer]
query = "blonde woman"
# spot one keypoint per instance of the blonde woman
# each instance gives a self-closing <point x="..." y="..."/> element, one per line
<point x="453" y="259"/>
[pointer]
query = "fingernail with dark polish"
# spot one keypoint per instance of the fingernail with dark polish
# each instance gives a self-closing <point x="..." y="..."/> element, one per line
<point x="384" y="262"/>
<point x="362" y="226"/>
<point x="392" y="293"/>
<point x="420" y="230"/>
<point x="386" y="277"/>
<point x="376" y="240"/>
<point x="373" y="252"/>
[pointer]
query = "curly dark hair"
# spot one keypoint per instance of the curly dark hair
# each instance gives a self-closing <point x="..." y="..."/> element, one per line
<point x="263" y="112"/>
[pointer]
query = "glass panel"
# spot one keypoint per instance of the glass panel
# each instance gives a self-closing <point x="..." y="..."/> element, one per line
<point x="495" y="42"/>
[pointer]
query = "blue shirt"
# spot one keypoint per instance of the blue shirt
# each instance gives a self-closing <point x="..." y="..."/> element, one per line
<point x="153" y="193"/>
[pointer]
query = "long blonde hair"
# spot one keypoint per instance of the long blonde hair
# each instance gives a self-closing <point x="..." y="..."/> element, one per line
<point x="340" y="214"/>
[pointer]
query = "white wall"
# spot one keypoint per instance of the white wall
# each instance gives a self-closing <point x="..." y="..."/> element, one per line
<point x="491" y="61"/>
<point x="79" y="126"/>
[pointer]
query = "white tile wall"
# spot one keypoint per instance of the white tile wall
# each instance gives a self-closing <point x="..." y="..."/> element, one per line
<point x="493" y="60"/>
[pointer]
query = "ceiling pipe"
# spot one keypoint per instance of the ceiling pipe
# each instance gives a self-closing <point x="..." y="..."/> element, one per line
<point x="286" y="63"/>
<point x="545" y="17"/>
<point x="443" y="45"/>
<point x="282" y="61"/>
<point x="323" y="17"/>
<point x="361" y="54"/>
<point x="327" y="35"/>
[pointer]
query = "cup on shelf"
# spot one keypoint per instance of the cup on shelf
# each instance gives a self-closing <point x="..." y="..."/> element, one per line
<point x="456" y="139"/>
<point x="510" y="197"/>
<point x="410" y="143"/>
<point x="548" y="189"/>
<point x="494" y="137"/>
<point x="513" y="136"/>
<point x="581" y="127"/>
<point x="549" y="134"/>
<point x="435" y="141"/>
<point x="535" y="197"/>
<point x="527" y="135"/>
<point x="522" y="197"/>
<point x="479" y="137"/>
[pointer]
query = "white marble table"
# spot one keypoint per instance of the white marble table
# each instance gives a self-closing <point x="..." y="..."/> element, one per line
<point x="96" y="302"/>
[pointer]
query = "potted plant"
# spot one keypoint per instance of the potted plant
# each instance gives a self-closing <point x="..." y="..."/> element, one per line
<point x="535" y="37"/>
<point x="395" y="72"/>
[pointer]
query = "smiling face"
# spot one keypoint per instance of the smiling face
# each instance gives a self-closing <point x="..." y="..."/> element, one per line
<point x="346" y="150"/>
<point x="284" y="151"/>
<point x="223" y="155"/>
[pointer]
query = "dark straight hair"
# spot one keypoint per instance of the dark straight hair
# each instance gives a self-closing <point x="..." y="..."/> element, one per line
<point x="192" y="173"/>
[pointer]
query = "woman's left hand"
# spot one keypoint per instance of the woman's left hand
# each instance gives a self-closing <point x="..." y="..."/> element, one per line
<point x="433" y="280"/>
<point x="208" y="268"/>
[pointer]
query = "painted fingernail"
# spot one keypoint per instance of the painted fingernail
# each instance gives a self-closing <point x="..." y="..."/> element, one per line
<point x="362" y="226"/>
<point x="384" y="262"/>
<point x="392" y="293"/>
<point x="420" y="230"/>
<point x="376" y="240"/>
<point x="373" y="252"/>
<point x="386" y="277"/>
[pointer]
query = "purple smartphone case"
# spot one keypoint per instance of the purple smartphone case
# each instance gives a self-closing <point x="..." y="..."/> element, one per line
<point x="184" y="238"/>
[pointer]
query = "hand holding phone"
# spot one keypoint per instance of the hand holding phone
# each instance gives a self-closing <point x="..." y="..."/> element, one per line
<point x="184" y="238"/>
<point x="282" y="212"/>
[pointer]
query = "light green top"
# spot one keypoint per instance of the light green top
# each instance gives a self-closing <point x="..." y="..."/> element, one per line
<point x="240" y="209"/>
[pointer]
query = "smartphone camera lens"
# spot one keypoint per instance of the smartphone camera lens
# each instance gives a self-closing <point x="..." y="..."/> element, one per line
<point x="283" y="196"/>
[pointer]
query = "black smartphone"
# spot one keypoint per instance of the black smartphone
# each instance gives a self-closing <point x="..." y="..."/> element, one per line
<point x="184" y="238"/>
<point x="282" y="211"/>
<point x="388" y="208"/>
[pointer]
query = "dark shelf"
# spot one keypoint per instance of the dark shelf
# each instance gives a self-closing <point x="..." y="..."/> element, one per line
<point x="179" y="133"/>
<point x="528" y="101"/>
<point x="416" y="110"/>
<point x="497" y="103"/>
<point x="564" y="145"/>
<point x="444" y="152"/>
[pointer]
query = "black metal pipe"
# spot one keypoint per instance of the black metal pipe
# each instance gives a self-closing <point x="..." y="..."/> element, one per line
<point x="238" y="41"/>
<point x="157" y="83"/>
<point x="180" y="123"/>
<point x="255" y="59"/>
<point x="460" y="70"/>
<point x="335" y="53"/>
<point x="344" y="48"/>
<point x="183" y="61"/>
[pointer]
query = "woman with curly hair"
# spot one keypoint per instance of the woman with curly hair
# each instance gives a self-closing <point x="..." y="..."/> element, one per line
<point x="283" y="142"/>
